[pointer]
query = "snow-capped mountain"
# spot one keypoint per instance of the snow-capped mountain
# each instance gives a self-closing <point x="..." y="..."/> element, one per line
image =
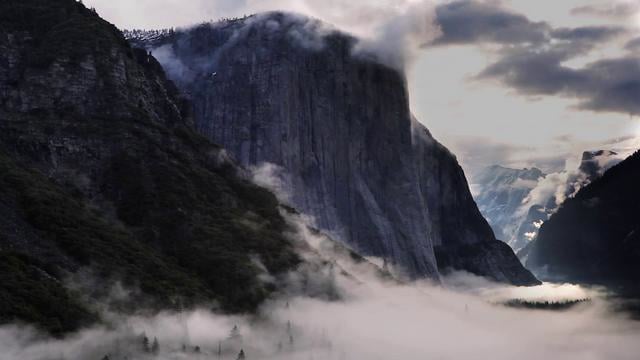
<point x="516" y="202"/>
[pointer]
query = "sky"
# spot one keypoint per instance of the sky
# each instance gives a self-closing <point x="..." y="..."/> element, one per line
<point x="517" y="83"/>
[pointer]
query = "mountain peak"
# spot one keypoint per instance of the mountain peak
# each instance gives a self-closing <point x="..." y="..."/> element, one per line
<point x="595" y="163"/>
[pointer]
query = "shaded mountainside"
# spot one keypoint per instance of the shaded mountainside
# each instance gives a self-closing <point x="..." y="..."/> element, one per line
<point x="516" y="202"/>
<point x="595" y="236"/>
<point x="100" y="169"/>
<point x="282" y="89"/>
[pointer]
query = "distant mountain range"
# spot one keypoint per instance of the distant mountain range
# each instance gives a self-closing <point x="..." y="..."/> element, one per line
<point x="516" y="202"/>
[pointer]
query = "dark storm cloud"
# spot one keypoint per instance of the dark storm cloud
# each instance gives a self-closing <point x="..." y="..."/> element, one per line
<point x="588" y="33"/>
<point x="614" y="86"/>
<point x="606" y="85"/>
<point x="470" y="21"/>
<point x="633" y="44"/>
<point x="533" y="55"/>
<point x="615" y="10"/>
<point x="465" y="22"/>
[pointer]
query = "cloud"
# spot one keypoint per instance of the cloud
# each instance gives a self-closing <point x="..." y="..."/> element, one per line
<point x="376" y="320"/>
<point x="473" y="22"/>
<point x="532" y="55"/>
<point x="337" y="307"/>
<point x="478" y="153"/>
<point x="615" y="9"/>
<point x="633" y="44"/>
<point x="552" y="190"/>
<point x="524" y="184"/>
<point x="397" y="41"/>
<point x="588" y="33"/>
<point x="466" y="22"/>
<point x="609" y="85"/>
<point x="392" y="31"/>
<point x="274" y="178"/>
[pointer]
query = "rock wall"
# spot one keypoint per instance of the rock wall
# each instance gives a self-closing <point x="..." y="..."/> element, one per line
<point x="279" y="88"/>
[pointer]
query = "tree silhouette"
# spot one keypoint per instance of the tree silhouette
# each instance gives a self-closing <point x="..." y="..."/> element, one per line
<point x="145" y="343"/>
<point x="235" y="332"/>
<point x="241" y="355"/>
<point x="155" y="347"/>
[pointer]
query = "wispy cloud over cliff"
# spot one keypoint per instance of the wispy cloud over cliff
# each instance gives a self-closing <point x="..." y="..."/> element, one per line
<point x="490" y="69"/>
<point x="392" y="31"/>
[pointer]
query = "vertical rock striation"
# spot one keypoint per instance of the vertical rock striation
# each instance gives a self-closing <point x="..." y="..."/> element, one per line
<point x="282" y="89"/>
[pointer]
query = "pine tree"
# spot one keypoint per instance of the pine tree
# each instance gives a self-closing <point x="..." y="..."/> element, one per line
<point x="145" y="343"/>
<point x="155" y="347"/>
<point x="235" y="332"/>
<point x="241" y="355"/>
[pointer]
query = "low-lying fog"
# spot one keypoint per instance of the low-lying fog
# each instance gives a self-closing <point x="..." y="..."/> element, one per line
<point x="337" y="309"/>
<point x="374" y="319"/>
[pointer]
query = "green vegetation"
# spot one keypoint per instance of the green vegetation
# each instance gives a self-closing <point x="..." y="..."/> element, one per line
<point x="60" y="29"/>
<point x="28" y="294"/>
<point x="91" y="241"/>
<point x="544" y="305"/>
<point x="131" y="191"/>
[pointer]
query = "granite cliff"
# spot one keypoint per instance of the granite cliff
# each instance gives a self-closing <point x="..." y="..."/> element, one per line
<point x="283" y="89"/>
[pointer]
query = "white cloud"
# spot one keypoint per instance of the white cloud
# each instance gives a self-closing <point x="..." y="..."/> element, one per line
<point x="335" y="308"/>
<point x="374" y="320"/>
<point x="392" y="30"/>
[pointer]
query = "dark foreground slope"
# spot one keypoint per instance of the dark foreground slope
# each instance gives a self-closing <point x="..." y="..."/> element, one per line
<point x="595" y="236"/>
<point x="282" y="89"/>
<point x="100" y="170"/>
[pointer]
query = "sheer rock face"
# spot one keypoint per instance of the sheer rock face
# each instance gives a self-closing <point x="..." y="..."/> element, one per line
<point x="270" y="89"/>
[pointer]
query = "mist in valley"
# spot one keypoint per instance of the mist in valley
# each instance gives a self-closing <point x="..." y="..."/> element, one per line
<point x="335" y="307"/>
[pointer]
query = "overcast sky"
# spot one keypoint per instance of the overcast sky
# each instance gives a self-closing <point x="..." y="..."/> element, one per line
<point x="513" y="82"/>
